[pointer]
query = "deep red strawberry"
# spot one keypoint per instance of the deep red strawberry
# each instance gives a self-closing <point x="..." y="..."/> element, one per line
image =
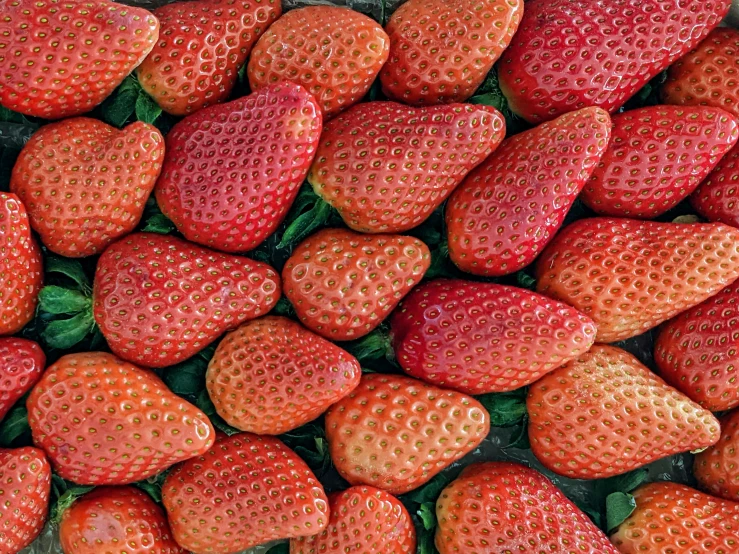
<point x="21" y="365"/>
<point x="715" y="467"/>
<point x="717" y="198"/>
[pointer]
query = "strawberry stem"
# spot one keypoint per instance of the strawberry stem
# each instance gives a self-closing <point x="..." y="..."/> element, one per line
<point x="319" y="214"/>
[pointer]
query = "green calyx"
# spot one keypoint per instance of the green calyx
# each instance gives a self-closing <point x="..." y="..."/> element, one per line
<point x="309" y="213"/>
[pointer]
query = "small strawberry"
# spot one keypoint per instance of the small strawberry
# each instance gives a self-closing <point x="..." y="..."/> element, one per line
<point x="715" y="467"/>
<point x="245" y="491"/>
<point x="103" y="421"/>
<point x="232" y="171"/>
<point x="332" y="51"/>
<point x="630" y="276"/>
<point x="385" y="167"/>
<point x="21" y="365"/>
<point x="343" y="284"/>
<point x="657" y="156"/>
<point x="85" y="183"/>
<point x="441" y="50"/>
<point x="717" y="198"/>
<point x="396" y="433"/>
<point x="506" y="210"/>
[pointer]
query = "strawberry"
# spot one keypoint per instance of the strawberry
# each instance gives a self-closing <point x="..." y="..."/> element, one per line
<point x="657" y="156"/>
<point x="181" y="296"/>
<point x="63" y="58"/>
<point x="396" y="433"/>
<point x="271" y="375"/>
<point x="385" y="167"/>
<point x="85" y="183"/>
<point x="202" y="45"/>
<point x="245" y="491"/>
<point x="343" y="284"/>
<point x="715" y="467"/>
<point x="505" y="211"/>
<point x="106" y="519"/>
<point x="21" y="365"/>
<point x="334" y="52"/>
<point x="232" y="171"/>
<point x="629" y="276"/>
<point x="506" y="507"/>
<point x="717" y="198"/>
<point x="571" y="54"/>
<point x="441" y="50"/>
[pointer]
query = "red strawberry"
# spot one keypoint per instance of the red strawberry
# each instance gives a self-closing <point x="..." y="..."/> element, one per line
<point x="396" y="433"/>
<point x="334" y="52"/>
<point x="62" y="58"/>
<point x="202" y="45"/>
<point x="343" y="284"/>
<point x="630" y="276"/>
<point x="441" y="50"/>
<point x="21" y="365"/>
<point x="571" y="54"/>
<point x="715" y="467"/>
<point x="181" y="296"/>
<point x="506" y="210"/>
<point x="385" y="167"/>
<point x="85" y="183"/>
<point x="717" y="198"/>
<point x="246" y="490"/>
<point x="506" y="507"/>
<point x="656" y="158"/>
<point x="271" y="375"/>
<point x="232" y="171"/>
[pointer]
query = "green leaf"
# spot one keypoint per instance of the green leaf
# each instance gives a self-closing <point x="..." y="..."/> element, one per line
<point x="308" y="213"/>
<point x="282" y="548"/>
<point x="147" y="110"/>
<point x="15" y="135"/>
<point x="427" y="513"/>
<point x="120" y="106"/>
<point x="520" y="438"/>
<point x="65" y="333"/>
<point x="431" y="490"/>
<point x="69" y="268"/>
<point x="619" y="506"/>
<point x="206" y="405"/>
<point x="10" y="116"/>
<point x="159" y="223"/>
<point x="153" y="486"/>
<point x="375" y="346"/>
<point x="14" y="425"/>
<point x="58" y="300"/>
<point x="525" y="281"/>
<point x="505" y="408"/>
<point x="284" y="308"/>
<point x="309" y="442"/>
<point x="188" y="378"/>
<point x="66" y="500"/>
<point x="626" y="482"/>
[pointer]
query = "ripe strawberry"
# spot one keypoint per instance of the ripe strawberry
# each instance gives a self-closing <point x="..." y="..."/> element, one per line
<point x="505" y="211"/>
<point x="715" y="467"/>
<point x="717" y="198"/>
<point x="630" y="276"/>
<point x="334" y="52"/>
<point x="656" y="158"/>
<point x="571" y="54"/>
<point x="232" y="171"/>
<point x="62" y="58"/>
<point x="271" y="375"/>
<point x="21" y="365"/>
<point x="181" y="297"/>
<point x="506" y="507"/>
<point x="343" y="284"/>
<point x="202" y="45"/>
<point x="385" y="167"/>
<point x="246" y="490"/>
<point x="441" y="50"/>
<point x="396" y="433"/>
<point x="106" y="519"/>
<point x="85" y="183"/>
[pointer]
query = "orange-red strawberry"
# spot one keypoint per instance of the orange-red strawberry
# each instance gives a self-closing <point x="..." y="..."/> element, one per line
<point x="21" y="365"/>
<point x="717" y="198"/>
<point x="395" y="433"/>
<point x="715" y="467"/>
<point x="85" y="183"/>
<point x="385" y="167"/>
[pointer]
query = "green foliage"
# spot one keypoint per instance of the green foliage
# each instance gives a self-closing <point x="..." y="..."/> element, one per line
<point x="153" y="485"/>
<point x="147" y="110"/>
<point x="129" y="102"/>
<point x="308" y="214"/>
<point x="15" y="430"/>
<point x="309" y="442"/>
<point x="282" y="548"/>
<point x="154" y="221"/>
<point x="489" y="94"/>
<point x="506" y="409"/>
<point x="206" y="405"/>
<point x="372" y="347"/>
<point x="421" y="504"/>
<point x="619" y="506"/>
<point x="15" y="130"/>
<point x="63" y="495"/>
<point x="187" y="379"/>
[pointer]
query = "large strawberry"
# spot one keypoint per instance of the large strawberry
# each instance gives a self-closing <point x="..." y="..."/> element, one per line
<point x="717" y="198"/>
<point x="159" y="299"/>
<point x="232" y="171"/>
<point x="441" y="50"/>
<point x="62" y="58"/>
<point x="246" y="490"/>
<point x="85" y="183"/>
<point x="501" y="507"/>
<point x="272" y="375"/>
<point x="396" y="433"/>
<point x="334" y="52"/>
<point x="630" y="276"/>
<point x="657" y="156"/>
<point x="202" y="45"/>
<point x="505" y="211"/>
<point x="570" y="54"/>
<point x="21" y="365"/>
<point x="385" y="167"/>
<point x="715" y="467"/>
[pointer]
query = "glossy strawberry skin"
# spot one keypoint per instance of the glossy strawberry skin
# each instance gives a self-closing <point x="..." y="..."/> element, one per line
<point x="343" y="284"/>
<point x="232" y="171"/>
<point x="201" y="47"/>
<point x="629" y="276"/>
<point x="246" y="490"/>
<point x="179" y="307"/>
<point x="21" y="364"/>
<point x="657" y="156"/>
<point x="717" y="198"/>
<point x="272" y="375"/>
<point x="506" y="507"/>
<point x="332" y="51"/>
<point x="385" y="167"/>
<point x="60" y="59"/>
<point x="505" y="211"/>
<point x="85" y="183"/>
<point x="715" y="467"/>
<point x="396" y="433"/>
<point x="571" y="54"/>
